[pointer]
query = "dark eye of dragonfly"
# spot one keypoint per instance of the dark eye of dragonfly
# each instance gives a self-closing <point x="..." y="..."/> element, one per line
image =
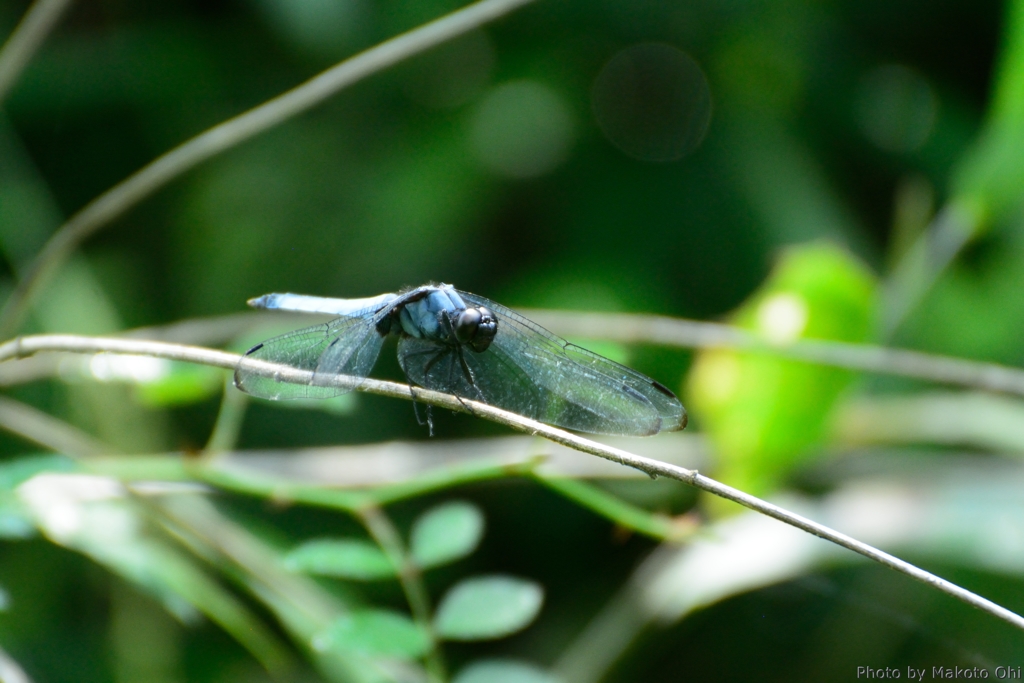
<point x="476" y="328"/>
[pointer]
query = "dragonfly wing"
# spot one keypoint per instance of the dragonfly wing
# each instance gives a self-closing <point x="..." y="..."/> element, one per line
<point x="453" y="370"/>
<point x="346" y="346"/>
<point x="575" y="388"/>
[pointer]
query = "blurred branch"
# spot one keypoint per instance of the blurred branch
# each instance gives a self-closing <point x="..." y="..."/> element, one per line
<point x="628" y="516"/>
<point x="980" y="420"/>
<point x="959" y="514"/>
<point x="29" y="34"/>
<point x="985" y="184"/>
<point x="382" y="474"/>
<point x="47" y="431"/>
<point x="301" y="605"/>
<point x="923" y="262"/>
<point x="210" y="331"/>
<point x="387" y="537"/>
<point x="23" y="346"/>
<point x="11" y="671"/>
<point x="129" y="192"/>
<point x="228" y="476"/>
<point x="666" y="331"/>
<point x="226" y="429"/>
<point x="395" y="465"/>
<point x="633" y="329"/>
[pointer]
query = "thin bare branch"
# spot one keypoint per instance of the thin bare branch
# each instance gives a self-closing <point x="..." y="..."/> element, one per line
<point x="963" y="418"/>
<point x="626" y="328"/>
<point x="24" y="346"/>
<point x="923" y="263"/>
<point x="28" y="35"/>
<point x="129" y="192"/>
<point x="654" y="329"/>
<point x="11" y="671"/>
<point x="394" y="463"/>
<point x="47" y="431"/>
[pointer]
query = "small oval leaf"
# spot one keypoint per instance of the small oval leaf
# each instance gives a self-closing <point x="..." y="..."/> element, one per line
<point x="446" y="533"/>
<point x="377" y="633"/>
<point x="486" y="607"/>
<point x="347" y="558"/>
<point x="503" y="671"/>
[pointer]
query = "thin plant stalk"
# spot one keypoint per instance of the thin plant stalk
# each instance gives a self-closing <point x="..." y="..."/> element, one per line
<point x="144" y="182"/>
<point x="26" y="38"/>
<point x="24" y="346"/>
<point x="674" y="332"/>
<point x="409" y="577"/>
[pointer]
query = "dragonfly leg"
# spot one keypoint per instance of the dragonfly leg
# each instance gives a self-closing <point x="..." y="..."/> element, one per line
<point x="468" y="373"/>
<point x="433" y="361"/>
<point x="429" y="421"/>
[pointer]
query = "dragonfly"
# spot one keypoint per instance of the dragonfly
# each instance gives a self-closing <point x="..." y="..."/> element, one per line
<point x="462" y="344"/>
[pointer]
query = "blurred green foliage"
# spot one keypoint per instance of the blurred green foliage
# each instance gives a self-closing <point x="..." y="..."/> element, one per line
<point x="763" y="412"/>
<point x="770" y="163"/>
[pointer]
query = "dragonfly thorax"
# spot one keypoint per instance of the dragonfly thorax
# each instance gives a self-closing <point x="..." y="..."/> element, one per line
<point x="439" y="314"/>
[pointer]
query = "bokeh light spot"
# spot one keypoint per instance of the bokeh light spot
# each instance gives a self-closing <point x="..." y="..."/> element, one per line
<point x="522" y="129"/>
<point x="653" y="102"/>
<point x="782" y="317"/>
<point x="316" y="26"/>
<point x="896" y="108"/>
<point x="717" y="377"/>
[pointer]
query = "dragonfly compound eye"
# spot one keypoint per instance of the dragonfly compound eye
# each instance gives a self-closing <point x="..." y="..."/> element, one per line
<point x="476" y="327"/>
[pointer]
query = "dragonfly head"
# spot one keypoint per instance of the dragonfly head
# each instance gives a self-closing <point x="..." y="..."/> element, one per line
<point x="476" y="328"/>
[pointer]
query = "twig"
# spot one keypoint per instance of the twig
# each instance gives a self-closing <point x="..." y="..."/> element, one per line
<point x="129" y="192"/>
<point x="23" y="346"/>
<point x="386" y="535"/>
<point x="229" y="423"/>
<point x="29" y="34"/>
<point x="924" y="262"/>
<point x="47" y="431"/>
<point x="642" y="329"/>
<point x="654" y="329"/>
<point x="963" y="418"/>
<point x="11" y="671"/>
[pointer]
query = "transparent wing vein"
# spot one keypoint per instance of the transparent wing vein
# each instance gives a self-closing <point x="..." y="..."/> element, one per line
<point x="346" y="346"/>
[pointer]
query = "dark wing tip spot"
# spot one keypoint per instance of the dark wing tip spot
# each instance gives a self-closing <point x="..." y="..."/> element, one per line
<point x="254" y="349"/>
<point x="662" y="388"/>
<point x="683" y="418"/>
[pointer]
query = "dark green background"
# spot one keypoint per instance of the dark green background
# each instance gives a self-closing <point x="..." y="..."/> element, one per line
<point x="375" y="190"/>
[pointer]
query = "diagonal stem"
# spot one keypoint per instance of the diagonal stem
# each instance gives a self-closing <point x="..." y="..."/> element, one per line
<point x="387" y="537"/>
<point x="129" y="192"/>
<point x="37" y="23"/>
<point x="24" y="346"/>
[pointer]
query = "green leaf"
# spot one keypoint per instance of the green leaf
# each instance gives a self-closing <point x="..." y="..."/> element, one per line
<point x="446" y="533"/>
<point x="487" y="607"/>
<point x="15" y="520"/>
<point x="503" y="671"/>
<point x="14" y="472"/>
<point x="347" y="558"/>
<point x="766" y="414"/>
<point x="381" y="633"/>
<point x="95" y="516"/>
<point x="181" y="384"/>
